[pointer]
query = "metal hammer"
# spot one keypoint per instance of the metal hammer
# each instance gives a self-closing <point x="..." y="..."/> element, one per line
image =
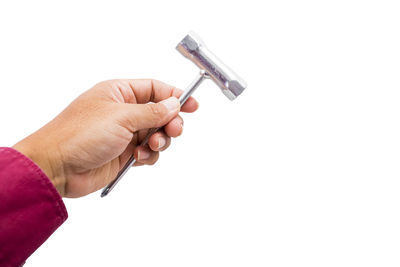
<point x="193" y="48"/>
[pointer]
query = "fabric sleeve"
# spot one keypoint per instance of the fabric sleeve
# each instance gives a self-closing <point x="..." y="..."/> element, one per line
<point x="31" y="209"/>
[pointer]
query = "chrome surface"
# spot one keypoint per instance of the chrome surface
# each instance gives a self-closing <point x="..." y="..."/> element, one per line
<point x="193" y="48"/>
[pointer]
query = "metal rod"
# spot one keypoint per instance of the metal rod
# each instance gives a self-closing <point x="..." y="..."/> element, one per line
<point x="186" y="94"/>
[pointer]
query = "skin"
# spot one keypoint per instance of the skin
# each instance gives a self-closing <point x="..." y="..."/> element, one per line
<point x="85" y="146"/>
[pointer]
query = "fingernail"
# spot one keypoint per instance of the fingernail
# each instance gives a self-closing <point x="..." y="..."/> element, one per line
<point x="143" y="154"/>
<point x="161" y="142"/>
<point x="171" y="103"/>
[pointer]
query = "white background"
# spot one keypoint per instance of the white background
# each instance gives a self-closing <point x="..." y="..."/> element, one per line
<point x="301" y="170"/>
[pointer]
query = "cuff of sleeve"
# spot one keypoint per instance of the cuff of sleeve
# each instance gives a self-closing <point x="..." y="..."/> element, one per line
<point x="31" y="209"/>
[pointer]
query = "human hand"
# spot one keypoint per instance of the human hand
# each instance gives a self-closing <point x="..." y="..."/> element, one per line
<point x="86" y="145"/>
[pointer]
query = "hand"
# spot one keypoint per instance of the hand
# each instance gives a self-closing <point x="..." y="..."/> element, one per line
<point x="85" y="146"/>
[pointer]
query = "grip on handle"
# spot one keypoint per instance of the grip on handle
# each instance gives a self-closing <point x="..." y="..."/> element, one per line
<point x="188" y="92"/>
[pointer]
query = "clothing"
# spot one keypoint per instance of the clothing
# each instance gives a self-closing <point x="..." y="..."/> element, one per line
<point x="31" y="209"/>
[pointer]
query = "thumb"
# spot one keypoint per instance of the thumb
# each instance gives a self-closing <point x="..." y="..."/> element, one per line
<point x="151" y="115"/>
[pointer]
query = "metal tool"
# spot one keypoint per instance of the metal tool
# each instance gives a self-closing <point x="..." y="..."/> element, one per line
<point x="211" y="67"/>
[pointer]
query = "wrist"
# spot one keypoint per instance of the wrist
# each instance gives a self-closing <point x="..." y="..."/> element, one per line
<point x="47" y="159"/>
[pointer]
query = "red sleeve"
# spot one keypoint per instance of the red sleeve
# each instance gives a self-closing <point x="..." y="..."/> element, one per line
<point x="30" y="207"/>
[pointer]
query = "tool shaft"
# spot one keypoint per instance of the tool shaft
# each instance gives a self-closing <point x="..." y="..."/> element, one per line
<point x="186" y="94"/>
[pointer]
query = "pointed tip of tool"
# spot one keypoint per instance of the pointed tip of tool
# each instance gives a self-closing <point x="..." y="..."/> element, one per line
<point x="105" y="192"/>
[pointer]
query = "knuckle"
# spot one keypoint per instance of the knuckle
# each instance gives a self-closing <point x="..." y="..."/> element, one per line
<point x="157" y="112"/>
<point x="155" y="109"/>
<point x="155" y="83"/>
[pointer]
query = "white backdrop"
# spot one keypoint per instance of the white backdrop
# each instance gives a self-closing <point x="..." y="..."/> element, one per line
<point x="301" y="170"/>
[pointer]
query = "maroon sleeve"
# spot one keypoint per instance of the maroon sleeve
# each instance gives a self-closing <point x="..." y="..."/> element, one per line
<point x="30" y="207"/>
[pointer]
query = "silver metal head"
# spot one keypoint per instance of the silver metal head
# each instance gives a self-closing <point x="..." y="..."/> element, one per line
<point x="194" y="49"/>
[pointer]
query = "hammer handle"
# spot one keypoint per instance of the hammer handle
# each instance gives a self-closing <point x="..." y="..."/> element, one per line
<point x="186" y="94"/>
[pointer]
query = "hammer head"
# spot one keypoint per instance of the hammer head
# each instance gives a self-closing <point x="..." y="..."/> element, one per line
<point x="193" y="48"/>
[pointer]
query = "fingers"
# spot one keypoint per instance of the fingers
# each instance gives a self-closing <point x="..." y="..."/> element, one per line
<point x="175" y="127"/>
<point x="143" y="116"/>
<point x="144" y="155"/>
<point x="149" y="90"/>
<point x="159" y="141"/>
<point x="191" y="105"/>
